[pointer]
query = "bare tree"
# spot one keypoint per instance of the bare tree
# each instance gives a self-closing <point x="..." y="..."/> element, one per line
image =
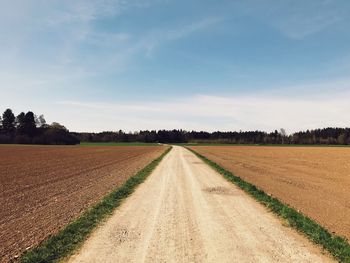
<point x="40" y="120"/>
<point x="283" y="134"/>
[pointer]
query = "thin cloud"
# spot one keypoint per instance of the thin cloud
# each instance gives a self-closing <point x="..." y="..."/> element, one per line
<point x="297" y="20"/>
<point x="186" y="30"/>
<point x="158" y="37"/>
<point x="79" y="49"/>
<point x="203" y="112"/>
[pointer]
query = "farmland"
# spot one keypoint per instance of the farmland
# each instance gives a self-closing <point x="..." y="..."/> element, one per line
<point x="314" y="180"/>
<point x="45" y="187"/>
<point x="186" y="212"/>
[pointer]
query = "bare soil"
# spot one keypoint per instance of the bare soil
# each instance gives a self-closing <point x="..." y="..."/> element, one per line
<point x="43" y="188"/>
<point x="314" y="180"/>
<point x="186" y="212"/>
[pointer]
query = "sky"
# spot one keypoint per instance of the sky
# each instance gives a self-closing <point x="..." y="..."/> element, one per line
<point x="163" y="64"/>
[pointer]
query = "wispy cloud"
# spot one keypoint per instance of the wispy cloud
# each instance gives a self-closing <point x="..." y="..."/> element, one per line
<point x="158" y="37"/>
<point x="297" y="20"/>
<point x="185" y="30"/>
<point x="78" y="48"/>
<point x="298" y="27"/>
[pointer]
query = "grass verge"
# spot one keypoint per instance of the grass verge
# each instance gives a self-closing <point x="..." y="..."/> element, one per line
<point x="61" y="245"/>
<point x="337" y="246"/>
<point x="117" y="144"/>
<point x="269" y="145"/>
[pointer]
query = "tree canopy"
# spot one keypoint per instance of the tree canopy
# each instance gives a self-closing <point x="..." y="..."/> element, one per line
<point x="27" y="128"/>
<point x="32" y="129"/>
<point x="318" y="136"/>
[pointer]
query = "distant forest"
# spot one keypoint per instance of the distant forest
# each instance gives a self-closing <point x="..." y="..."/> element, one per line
<point x="337" y="136"/>
<point x="28" y="128"/>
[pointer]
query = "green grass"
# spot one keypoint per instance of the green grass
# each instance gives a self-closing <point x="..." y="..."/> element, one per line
<point x="117" y="144"/>
<point x="61" y="245"/>
<point x="337" y="246"/>
<point x="270" y="145"/>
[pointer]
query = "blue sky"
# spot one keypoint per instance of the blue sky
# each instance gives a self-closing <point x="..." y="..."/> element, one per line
<point x="154" y="64"/>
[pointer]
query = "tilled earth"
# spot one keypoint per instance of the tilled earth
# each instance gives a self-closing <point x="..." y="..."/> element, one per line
<point x="314" y="180"/>
<point x="43" y="188"/>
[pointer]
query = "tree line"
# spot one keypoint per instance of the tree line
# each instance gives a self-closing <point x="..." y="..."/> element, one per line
<point x="338" y="136"/>
<point x="28" y="128"/>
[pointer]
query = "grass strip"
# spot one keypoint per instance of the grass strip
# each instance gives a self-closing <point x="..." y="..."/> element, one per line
<point x="337" y="246"/>
<point x="61" y="245"/>
<point x="263" y="145"/>
<point x="90" y="144"/>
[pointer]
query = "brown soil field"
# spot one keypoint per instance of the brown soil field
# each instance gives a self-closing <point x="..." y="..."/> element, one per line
<point x="43" y="188"/>
<point x="314" y="180"/>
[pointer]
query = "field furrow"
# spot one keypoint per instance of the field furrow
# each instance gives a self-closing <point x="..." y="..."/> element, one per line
<point x="43" y="188"/>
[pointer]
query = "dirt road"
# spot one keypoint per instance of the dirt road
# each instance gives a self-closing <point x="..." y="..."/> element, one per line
<point x="186" y="212"/>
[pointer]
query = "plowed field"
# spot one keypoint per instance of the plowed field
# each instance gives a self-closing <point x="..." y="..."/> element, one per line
<point x="44" y="187"/>
<point x="314" y="180"/>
